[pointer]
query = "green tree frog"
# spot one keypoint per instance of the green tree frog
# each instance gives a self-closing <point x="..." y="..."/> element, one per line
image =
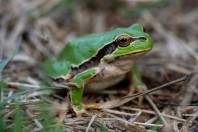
<point x="98" y="61"/>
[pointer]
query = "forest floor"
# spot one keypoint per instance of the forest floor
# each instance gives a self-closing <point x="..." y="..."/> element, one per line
<point x="32" y="31"/>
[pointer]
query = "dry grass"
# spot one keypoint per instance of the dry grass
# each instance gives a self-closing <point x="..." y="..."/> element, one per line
<point x="47" y="25"/>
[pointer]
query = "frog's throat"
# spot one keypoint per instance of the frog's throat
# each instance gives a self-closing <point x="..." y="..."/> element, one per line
<point x="133" y="55"/>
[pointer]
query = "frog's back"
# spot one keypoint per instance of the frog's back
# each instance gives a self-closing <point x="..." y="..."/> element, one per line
<point x="83" y="48"/>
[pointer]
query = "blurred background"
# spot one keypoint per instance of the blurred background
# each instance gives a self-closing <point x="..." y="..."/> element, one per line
<point x="45" y="26"/>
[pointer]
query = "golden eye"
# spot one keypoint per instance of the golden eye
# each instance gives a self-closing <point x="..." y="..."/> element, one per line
<point x="124" y="40"/>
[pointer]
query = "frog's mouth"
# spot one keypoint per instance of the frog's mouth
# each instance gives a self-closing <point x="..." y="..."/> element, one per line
<point x="141" y="52"/>
<point x="133" y="55"/>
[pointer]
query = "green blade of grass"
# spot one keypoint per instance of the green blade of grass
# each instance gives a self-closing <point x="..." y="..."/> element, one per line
<point x="5" y="62"/>
<point x="2" y="85"/>
<point x="2" y="124"/>
<point x="18" y="119"/>
<point x="20" y="94"/>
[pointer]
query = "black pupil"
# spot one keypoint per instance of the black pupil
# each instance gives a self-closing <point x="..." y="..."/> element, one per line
<point x="123" y="40"/>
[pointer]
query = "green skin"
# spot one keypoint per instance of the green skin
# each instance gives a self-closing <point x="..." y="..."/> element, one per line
<point x="84" y="48"/>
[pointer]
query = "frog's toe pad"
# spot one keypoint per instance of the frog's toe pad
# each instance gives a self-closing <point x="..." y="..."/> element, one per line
<point x="82" y="112"/>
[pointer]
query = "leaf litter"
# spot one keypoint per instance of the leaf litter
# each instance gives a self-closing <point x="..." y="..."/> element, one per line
<point x="46" y="29"/>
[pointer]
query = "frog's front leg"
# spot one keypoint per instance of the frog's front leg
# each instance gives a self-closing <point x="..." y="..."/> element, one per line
<point x="76" y="92"/>
<point x="136" y="83"/>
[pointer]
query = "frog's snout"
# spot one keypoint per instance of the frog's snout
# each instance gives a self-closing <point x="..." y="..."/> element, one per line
<point x="139" y="38"/>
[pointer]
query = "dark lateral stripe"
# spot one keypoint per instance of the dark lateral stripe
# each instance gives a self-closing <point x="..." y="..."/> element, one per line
<point x="94" y="61"/>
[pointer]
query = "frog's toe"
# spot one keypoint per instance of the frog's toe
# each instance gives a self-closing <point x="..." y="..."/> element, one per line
<point x="133" y="88"/>
<point x="83" y="114"/>
<point x="80" y="111"/>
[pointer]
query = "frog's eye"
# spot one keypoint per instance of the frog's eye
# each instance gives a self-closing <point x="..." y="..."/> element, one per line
<point x="124" y="40"/>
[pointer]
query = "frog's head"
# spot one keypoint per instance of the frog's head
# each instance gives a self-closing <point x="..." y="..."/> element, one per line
<point x="132" y="42"/>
